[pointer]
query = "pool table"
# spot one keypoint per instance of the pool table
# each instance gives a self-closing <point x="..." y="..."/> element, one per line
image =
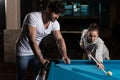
<point x="82" y="70"/>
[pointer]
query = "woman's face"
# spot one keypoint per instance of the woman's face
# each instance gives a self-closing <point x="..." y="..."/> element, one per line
<point x="92" y="36"/>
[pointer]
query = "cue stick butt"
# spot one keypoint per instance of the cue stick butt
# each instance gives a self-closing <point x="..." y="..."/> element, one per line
<point x="44" y="71"/>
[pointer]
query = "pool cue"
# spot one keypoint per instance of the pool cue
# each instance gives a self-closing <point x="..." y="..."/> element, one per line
<point x="44" y="75"/>
<point x="94" y="59"/>
<point x="44" y="71"/>
<point x="98" y="63"/>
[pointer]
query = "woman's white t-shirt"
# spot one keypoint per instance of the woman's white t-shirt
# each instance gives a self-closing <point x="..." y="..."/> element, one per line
<point x="33" y="19"/>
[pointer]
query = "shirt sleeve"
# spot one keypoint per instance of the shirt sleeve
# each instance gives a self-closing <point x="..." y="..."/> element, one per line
<point x="55" y="26"/>
<point x="83" y="35"/>
<point x="99" y="51"/>
<point x="31" y="20"/>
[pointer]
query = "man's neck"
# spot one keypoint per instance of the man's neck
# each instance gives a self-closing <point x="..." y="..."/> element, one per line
<point x="45" y="17"/>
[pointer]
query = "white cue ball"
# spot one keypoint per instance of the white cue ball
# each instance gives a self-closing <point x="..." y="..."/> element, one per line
<point x="109" y="73"/>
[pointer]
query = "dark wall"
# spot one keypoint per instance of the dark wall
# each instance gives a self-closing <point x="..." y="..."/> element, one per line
<point x="2" y="26"/>
<point x="2" y="14"/>
<point x="118" y="10"/>
<point x="105" y="13"/>
<point x="26" y="7"/>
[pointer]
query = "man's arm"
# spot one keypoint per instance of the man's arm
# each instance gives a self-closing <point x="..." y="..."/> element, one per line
<point x="35" y="47"/>
<point x="61" y="45"/>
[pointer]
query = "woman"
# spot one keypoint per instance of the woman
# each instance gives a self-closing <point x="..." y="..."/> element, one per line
<point x="91" y="42"/>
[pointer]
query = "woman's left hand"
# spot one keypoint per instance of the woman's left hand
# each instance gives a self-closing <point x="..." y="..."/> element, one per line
<point x="100" y="65"/>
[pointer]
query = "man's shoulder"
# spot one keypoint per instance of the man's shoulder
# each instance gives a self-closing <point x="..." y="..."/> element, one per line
<point x="34" y="14"/>
<point x="37" y="12"/>
<point x="55" y="22"/>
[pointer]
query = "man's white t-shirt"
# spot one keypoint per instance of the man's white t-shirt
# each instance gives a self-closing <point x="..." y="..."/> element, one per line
<point x="33" y="19"/>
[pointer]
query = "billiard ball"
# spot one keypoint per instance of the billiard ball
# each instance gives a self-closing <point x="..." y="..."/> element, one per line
<point x="109" y="73"/>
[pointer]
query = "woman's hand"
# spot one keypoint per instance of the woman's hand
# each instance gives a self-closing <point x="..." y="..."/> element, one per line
<point x="100" y="65"/>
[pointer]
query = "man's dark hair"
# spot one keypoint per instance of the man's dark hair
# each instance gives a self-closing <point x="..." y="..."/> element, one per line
<point x="56" y="6"/>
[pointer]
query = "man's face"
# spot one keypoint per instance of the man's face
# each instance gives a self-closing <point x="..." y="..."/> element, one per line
<point x="53" y="16"/>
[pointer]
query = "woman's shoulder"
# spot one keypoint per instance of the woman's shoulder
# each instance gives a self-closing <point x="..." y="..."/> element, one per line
<point x="100" y="41"/>
<point x="85" y="30"/>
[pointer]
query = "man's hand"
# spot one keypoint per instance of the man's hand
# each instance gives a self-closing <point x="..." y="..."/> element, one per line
<point x="66" y="60"/>
<point x="43" y="61"/>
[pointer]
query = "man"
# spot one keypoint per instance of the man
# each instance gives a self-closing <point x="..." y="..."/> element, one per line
<point x="36" y="26"/>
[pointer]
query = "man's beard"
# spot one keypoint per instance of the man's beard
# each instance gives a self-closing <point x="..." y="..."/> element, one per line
<point x="52" y="19"/>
